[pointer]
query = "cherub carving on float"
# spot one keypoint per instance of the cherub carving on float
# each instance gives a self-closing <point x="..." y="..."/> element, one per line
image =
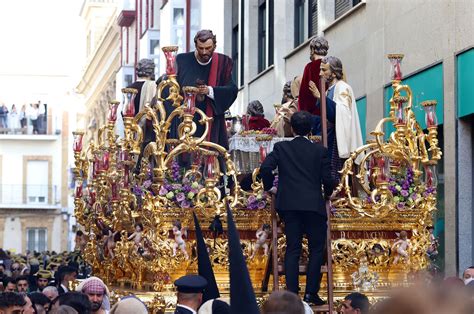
<point x="179" y="243"/>
<point x="109" y="242"/>
<point x="363" y="278"/>
<point x="262" y="235"/>
<point x="401" y="247"/>
<point x="137" y="237"/>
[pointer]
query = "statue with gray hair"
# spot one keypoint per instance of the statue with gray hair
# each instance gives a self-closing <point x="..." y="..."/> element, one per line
<point x="318" y="47"/>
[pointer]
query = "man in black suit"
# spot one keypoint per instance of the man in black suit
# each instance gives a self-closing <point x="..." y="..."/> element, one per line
<point x="303" y="167"/>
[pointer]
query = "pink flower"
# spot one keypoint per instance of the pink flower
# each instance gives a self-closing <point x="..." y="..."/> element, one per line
<point x="163" y="191"/>
<point x="180" y="197"/>
<point x="185" y="204"/>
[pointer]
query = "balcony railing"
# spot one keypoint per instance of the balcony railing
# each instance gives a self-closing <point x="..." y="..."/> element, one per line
<point x="24" y="126"/>
<point x="30" y="195"/>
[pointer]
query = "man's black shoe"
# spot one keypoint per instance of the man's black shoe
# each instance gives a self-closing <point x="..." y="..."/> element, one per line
<point x="313" y="299"/>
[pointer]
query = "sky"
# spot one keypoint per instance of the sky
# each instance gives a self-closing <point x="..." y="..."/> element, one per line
<point x="41" y="49"/>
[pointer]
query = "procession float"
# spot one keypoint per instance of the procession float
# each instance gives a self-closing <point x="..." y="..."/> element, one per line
<point x="135" y="199"/>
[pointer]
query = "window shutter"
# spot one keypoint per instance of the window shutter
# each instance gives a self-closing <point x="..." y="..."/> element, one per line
<point x="342" y="6"/>
<point x="313" y="18"/>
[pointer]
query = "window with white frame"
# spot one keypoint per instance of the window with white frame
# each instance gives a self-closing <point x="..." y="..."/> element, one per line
<point x="37" y="182"/>
<point x="265" y="34"/>
<point x="299" y="23"/>
<point x="195" y="21"/>
<point x="36" y="239"/>
<point x="177" y="28"/>
<point x="155" y="55"/>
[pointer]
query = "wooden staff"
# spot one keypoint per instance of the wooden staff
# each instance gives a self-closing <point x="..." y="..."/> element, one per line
<point x="274" y="244"/>
<point x="324" y="129"/>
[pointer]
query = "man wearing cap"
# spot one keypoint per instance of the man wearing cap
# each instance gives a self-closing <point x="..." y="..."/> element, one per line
<point x="97" y="292"/>
<point x="190" y="289"/>
<point x="42" y="279"/>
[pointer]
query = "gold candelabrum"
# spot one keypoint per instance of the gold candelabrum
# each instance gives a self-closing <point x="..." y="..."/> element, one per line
<point x="134" y="197"/>
<point x="131" y="192"/>
<point x="392" y="189"/>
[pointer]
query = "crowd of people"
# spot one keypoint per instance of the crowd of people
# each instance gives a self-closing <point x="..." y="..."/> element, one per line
<point x="49" y="282"/>
<point x="14" y="120"/>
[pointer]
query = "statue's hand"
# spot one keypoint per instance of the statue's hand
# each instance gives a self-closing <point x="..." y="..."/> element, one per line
<point x="314" y="90"/>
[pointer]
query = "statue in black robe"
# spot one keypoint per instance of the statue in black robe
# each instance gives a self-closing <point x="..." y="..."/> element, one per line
<point x="212" y="73"/>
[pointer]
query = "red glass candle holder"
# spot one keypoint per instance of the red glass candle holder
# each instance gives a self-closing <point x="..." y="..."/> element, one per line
<point x="245" y="122"/>
<point x="92" y="196"/>
<point x="431" y="177"/>
<point x="77" y="143"/>
<point x="129" y="106"/>
<point x="382" y="163"/>
<point x="124" y="155"/>
<point x="115" y="190"/>
<point x="430" y="113"/>
<point x="400" y="117"/>
<point x="170" y="55"/>
<point x="396" y="71"/>
<point x="263" y="150"/>
<point x="78" y="192"/>
<point x="105" y="160"/>
<point x="212" y="167"/>
<point x="190" y="93"/>
<point x="112" y="114"/>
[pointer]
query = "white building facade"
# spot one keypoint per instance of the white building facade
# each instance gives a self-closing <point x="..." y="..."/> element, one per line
<point x="35" y="202"/>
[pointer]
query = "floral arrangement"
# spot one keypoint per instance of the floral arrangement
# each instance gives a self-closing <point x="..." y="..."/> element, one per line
<point x="264" y="131"/>
<point x="269" y="131"/>
<point x="260" y="200"/>
<point x="182" y="191"/>
<point x="404" y="190"/>
<point x="257" y="202"/>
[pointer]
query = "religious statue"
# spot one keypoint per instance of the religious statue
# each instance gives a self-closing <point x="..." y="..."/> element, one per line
<point x="262" y="235"/>
<point x="363" y="278"/>
<point x="211" y="73"/>
<point x="179" y="243"/>
<point x="319" y="47"/>
<point x="400" y="247"/>
<point x="344" y="134"/>
<point x="289" y="105"/>
<point x="109" y="242"/>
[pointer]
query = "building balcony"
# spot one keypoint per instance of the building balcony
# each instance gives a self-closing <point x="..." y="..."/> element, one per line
<point x="27" y="129"/>
<point x="29" y="196"/>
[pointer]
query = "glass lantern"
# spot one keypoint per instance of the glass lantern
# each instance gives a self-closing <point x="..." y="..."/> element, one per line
<point x="396" y="71"/>
<point x="129" y="107"/>
<point x="382" y="163"/>
<point x="430" y="113"/>
<point x="399" y="111"/>
<point x="263" y="150"/>
<point x="112" y="114"/>
<point x="170" y="55"/>
<point x="77" y="144"/>
<point x="190" y="99"/>
<point x="431" y="177"/>
<point x="211" y="170"/>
